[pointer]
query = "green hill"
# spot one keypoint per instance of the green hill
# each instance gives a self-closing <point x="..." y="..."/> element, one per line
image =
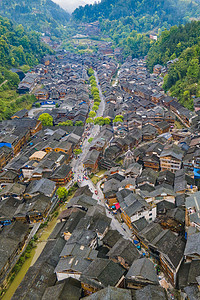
<point x="128" y="23"/>
<point x="142" y="15"/>
<point x="171" y="43"/>
<point x="183" y="78"/>
<point x="40" y="15"/>
<point x="18" y="48"/>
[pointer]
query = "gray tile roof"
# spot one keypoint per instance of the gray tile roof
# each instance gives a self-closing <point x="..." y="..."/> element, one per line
<point x="103" y="272"/>
<point x="78" y="250"/>
<point x="70" y="288"/>
<point x="193" y="245"/>
<point x="125" y="249"/>
<point x="142" y="268"/>
<point x="72" y="264"/>
<point x="43" y="186"/>
<point x="110" y="293"/>
<point x="150" y="292"/>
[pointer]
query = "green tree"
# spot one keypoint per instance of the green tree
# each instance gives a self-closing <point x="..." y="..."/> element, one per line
<point x="77" y="152"/>
<point x="37" y="105"/>
<point x="12" y="78"/>
<point x="92" y="78"/>
<point x="96" y="93"/>
<point x="92" y="114"/>
<point x="99" y="121"/>
<point x="118" y="119"/>
<point x="107" y="121"/>
<point x="95" y="108"/>
<point x="193" y="69"/>
<point x="89" y="121"/>
<point x="90" y="71"/>
<point x="94" y="89"/>
<point x="66" y="123"/>
<point x="97" y="99"/>
<point x="79" y="123"/>
<point x="62" y="192"/>
<point x="46" y="119"/>
<point x="93" y="83"/>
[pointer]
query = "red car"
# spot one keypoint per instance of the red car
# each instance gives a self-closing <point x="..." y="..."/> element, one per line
<point x="96" y="192"/>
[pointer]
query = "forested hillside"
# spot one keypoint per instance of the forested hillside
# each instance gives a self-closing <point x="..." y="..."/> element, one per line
<point x="171" y="43"/>
<point x="183" y="78"/>
<point x="132" y="42"/>
<point x="129" y="23"/>
<point x="18" y="48"/>
<point x="141" y="15"/>
<point x="39" y="15"/>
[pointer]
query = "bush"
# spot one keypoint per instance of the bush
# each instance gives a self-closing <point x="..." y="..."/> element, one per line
<point x="37" y="105"/>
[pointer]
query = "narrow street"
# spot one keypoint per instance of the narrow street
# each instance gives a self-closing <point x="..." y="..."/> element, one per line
<point x="91" y="132"/>
<point x="115" y="83"/>
<point x="80" y="172"/>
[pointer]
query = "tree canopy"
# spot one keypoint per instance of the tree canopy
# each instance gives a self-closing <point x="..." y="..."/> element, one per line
<point x="66" y="123"/>
<point x="46" y="119"/>
<point x="173" y="42"/>
<point x="39" y="15"/>
<point x="180" y="45"/>
<point x="77" y="151"/>
<point x="18" y="47"/>
<point x="92" y="114"/>
<point x="141" y="15"/>
<point x="62" y="192"/>
<point x="79" y="123"/>
<point x="90" y="72"/>
<point x="89" y="121"/>
<point x="90" y="140"/>
<point x="118" y="118"/>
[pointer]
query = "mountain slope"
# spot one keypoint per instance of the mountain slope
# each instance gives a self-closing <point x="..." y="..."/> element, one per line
<point x="173" y="42"/>
<point x="145" y="14"/>
<point x="18" y="47"/>
<point x="39" y="15"/>
<point x="181" y="42"/>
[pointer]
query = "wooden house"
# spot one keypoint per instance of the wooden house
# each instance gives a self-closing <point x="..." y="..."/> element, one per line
<point x="62" y="175"/>
<point x="91" y="160"/>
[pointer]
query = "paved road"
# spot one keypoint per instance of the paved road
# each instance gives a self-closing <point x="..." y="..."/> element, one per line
<point x="91" y="131"/>
<point x="115" y="83"/>
<point x="80" y="172"/>
<point x="102" y="104"/>
<point x="33" y="111"/>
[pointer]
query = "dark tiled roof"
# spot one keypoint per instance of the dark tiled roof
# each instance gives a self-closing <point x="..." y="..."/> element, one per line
<point x="125" y="249"/>
<point x="103" y="272"/>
